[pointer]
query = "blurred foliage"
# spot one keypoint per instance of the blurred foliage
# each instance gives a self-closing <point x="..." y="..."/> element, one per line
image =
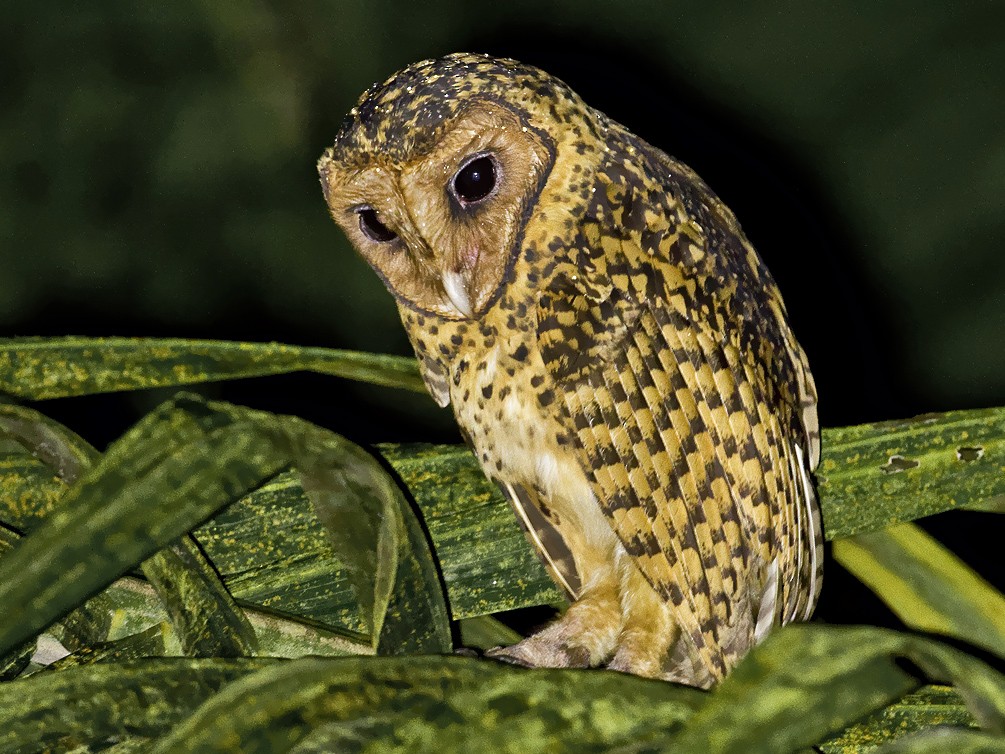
<point x="161" y="165"/>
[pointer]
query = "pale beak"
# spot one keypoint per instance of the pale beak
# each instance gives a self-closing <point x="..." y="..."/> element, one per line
<point x="456" y="285"/>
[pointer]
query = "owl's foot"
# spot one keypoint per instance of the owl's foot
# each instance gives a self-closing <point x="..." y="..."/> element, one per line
<point x="582" y="638"/>
<point x="535" y="653"/>
<point x="649" y="643"/>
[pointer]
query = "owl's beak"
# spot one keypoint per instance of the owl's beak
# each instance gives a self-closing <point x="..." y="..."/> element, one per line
<point x="457" y="287"/>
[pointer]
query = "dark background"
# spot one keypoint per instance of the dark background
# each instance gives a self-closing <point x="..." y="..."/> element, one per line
<point x="159" y="180"/>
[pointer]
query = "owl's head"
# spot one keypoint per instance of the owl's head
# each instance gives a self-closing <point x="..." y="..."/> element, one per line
<point x="435" y="174"/>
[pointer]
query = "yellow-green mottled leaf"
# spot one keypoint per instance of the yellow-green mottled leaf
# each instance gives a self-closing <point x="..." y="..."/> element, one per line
<point x="431" y="704"/>
<point x="875" y="475"/>
<point x="485" y="632"/>
<point x="486" y="561"/>
<point x="387" y="557"/>
<point x="147" y="643"/>
<point x="204" y="615"/>
<point x="928" y="707"/>
<point x="926" y="585"/>
<point x="137" y="607"/>
<point x="947" y="741"/>
<point x="189" y="459"/>
<point x="39" y="368"/>
<point x="95" y="703"/>
<point x="806" y="682"/>
<point x="270" y="549"/>
<point x="65" y="452"/>
<point x="171" y="471"/>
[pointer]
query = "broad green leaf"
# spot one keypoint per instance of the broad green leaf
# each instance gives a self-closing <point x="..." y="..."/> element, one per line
<point x="270" y="549"/>
<point x="926" y="585"/>
<point x="267" y="566"/>
<point x="875" y="475"/>
<point x="170" y="472"/>
<point x="805" y="682"/>
<point x="83" y="627"/>
<point x="16" y="659"/>
<point x="29" y="490"/>
<point x="147" y="643"/>
<point x="947" y="741"/>
<point x="65" y="452"/>
<point x="486" y="561"/>
<point x="982" y="687"/>
<point x="431" y="704"/>
<point x="204" y="615"/>
<point x="39" y="368"/>
<point x="137" y="607"/>
<point x="383" y="547"/>
<point x="94" y="703"/>
<point x="188" y="460"/>
<point x="485" y="632"/>
<point x="928" y="707"/>
<point x="487" y="564"/>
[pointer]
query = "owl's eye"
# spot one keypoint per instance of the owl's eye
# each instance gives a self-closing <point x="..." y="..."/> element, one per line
<point x="372" y="227"/>
<point x="475" y="181"/>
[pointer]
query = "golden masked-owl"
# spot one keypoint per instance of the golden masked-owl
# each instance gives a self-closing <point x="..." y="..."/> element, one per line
<point x="615" y="352"/>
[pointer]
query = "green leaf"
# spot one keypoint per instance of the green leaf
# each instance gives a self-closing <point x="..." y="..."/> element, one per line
<point x="170" y="472"/>
<point x="947" y="741"/>
<point x="383" y="547"/>
<point x="982" y="687"/>
<point x="187" y="460"/>
<point x="928" y="707"/>
<point x="485" y="632"/>
<point x="65" y="452"/>
<point x="147" y="643"/>
<point x="486" y="562"/>
<point x="805" y="682"/>
<point x="15" y="661"/>
<point x="939" y="462"/>
<point x="93" y="703"/>
<point x="270" y="549"/>
<point x="29" y="490"/>
<point x="39" y="368"/>
<point x="925" y="585"/>
<point x="485" y="558"/>
<point x="431" y="703"/>
<point x="204" y="615"/>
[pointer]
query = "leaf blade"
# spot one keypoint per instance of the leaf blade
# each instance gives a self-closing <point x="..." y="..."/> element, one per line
<point x="926" y="585"/>
<point x="42" y="368"/>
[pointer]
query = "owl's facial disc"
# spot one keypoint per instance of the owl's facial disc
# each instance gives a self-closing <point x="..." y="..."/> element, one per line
<point x="442" y="227"/>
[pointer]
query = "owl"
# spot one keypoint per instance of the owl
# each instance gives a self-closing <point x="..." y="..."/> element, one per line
<point x="615" y="352"/>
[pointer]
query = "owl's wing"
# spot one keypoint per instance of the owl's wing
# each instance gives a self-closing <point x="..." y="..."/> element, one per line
<point x="692" y="407"/>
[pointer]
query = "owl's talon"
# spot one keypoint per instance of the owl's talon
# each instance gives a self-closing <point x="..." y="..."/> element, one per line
<point x="502" y="654"/>
<point x="535" y="653"/>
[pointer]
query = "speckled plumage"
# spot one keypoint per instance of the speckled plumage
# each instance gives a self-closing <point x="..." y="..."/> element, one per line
<point x="615" y="352"/>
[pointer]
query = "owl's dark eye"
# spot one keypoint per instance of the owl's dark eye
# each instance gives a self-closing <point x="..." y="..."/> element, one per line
<point x="475" y="180"/>
<point x="372" y="227"/>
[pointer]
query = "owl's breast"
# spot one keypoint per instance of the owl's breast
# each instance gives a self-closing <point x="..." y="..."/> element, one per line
<point x="502" y="403"/>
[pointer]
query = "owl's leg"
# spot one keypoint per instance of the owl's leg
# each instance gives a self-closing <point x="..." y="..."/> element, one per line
<point x="585" y="636"/>
<point x="650" y="642"/>
<point x="648" y="630"/>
